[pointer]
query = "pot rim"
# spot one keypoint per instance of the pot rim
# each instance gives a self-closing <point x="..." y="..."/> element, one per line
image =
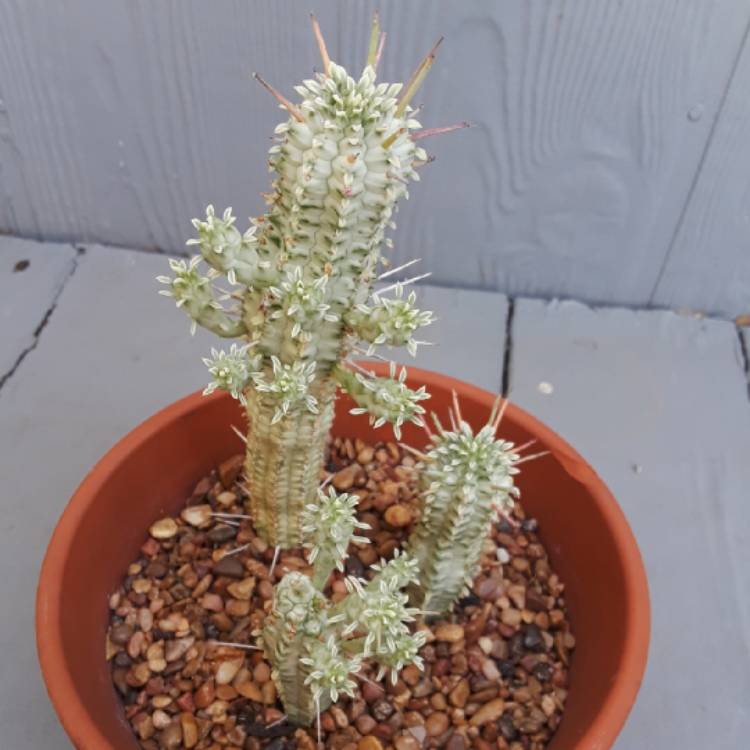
<point x="81" y="726"/>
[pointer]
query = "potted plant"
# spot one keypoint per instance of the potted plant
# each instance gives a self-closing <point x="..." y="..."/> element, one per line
<point x="354" y="592"/>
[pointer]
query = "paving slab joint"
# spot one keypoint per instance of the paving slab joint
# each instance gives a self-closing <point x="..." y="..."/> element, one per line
<point x="508" y="351"/>
<point x="45" y="318"/>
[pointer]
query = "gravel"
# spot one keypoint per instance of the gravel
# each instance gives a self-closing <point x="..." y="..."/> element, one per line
<point x="496" y="672"/>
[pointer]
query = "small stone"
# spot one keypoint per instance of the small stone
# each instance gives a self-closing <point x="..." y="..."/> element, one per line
<point x="268" y="691"/>
<point x="237" y="608"/>
<point x="366" y="455"/>
<point x="212" y="603"/>
<point x="382" y="709"/>
<point x="532" y="638"/>
<point x="406" y="742"/>
<point x="120" y="634"/>
<point x="222" y="533"/>
<point x="189" y="730"/>
<point x="398" y="516"/>
<point x="491" y="711"/>
<point x="161" y="719"/>
<point x="204" y="695"/>
<point x="177" y="648"/>
<point x="227" y="670"/>
<point x="226" y="499"/>
<point x="365" y="723"/>
<point x="457" y="742"/>
<point x="370" y="742"/>
<point x="242" y="590"/>
<point x="489" y="589"/>
<point x="372" y="692"/>
<point x="450" y="632"/>
<point x="171" y="737"/>
<point x="344" y="479"/>
<point x="229" y="470"/>
<point x="229" y="566"/>
<point x="196" y="515"/>
<point x="511" y="617"/>
<point x="436" y="724"/>
<point x="261" y="672"/>
<point x="164" y="528"/>
<point x="339" y="717"/>
<point x="548" y="705"/>
<point x="460" y="694"/>
<point x="250" y="691"/>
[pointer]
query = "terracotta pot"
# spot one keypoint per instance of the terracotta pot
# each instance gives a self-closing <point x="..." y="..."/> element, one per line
<point x="149" y="473"/>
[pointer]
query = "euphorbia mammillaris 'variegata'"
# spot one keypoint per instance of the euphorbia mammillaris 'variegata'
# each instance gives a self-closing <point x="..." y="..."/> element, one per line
<point x="300" y="282"/>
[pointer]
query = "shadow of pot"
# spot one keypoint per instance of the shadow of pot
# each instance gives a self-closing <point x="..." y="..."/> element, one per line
<point x="151" y="471"/>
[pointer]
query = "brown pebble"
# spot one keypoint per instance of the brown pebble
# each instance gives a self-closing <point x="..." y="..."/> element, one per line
<point x="250" y="691"/>
<point x="450" y="632"/>
<point x="171" y="737"/>
<point x="189" y="730"/>
<point x="212" y="603"/>
<point x="242" y="590"/>
<point x="227" y="670"/>
<point x="196" y="515"/>
<point x="407" y="742"/>
<point x="344" y="479"/>
<point x="491" y="711"/>
<point x="229" y="566"/>
<point x="229" y="470"/>
<point x="436" y="723"/>
<point x="370" y="742"/>
<point x="204" y="695"/>
<point x="164" y="528"/>
<point x="398" y="516"/>
<point x="177" y="648"/>
<point x="459" y="695"/>
<point x="365" y="723"/>
<point x="120" y="634"/>
<point x="261" y="672"/>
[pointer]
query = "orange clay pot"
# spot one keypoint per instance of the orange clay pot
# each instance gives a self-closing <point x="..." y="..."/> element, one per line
<point x="150" y="472"/>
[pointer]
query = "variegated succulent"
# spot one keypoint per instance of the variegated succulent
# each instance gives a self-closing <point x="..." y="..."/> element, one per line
<point x="301" y="294"/>
<point x="317" y="648"/>
<point x="466" y="479"/>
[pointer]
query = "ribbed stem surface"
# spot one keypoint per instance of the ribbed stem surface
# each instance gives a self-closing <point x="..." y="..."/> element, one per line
<point x="283" y="462"/>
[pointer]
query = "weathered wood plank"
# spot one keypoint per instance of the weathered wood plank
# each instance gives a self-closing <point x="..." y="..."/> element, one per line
<point x="658" y="403"/>
<point x="709" y="265"/>
<point x="31" y="277"/>
<point x="121" y="121"/>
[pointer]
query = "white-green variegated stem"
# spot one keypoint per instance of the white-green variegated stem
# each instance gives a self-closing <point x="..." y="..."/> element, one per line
<point x="317" y="649"/>
<point x="328" y="526"/>
<point x="466" y="479"/>
<point x="383" y="399"/>
<point x="300" y="279"/>
<point x="283" y="459"/>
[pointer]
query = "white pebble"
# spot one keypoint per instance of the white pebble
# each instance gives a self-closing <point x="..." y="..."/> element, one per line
<point x="502" y="555"/>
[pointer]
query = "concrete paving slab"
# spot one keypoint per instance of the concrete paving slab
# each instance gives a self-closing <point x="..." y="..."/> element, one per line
<point x="113" y="352"/>
<point x="658" y="403"/>
<point x="31" y="277"/>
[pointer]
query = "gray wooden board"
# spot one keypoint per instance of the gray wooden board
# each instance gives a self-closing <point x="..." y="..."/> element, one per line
<point x="709" y="265"/>
<point x="119" y="121"/>
<point x="26" y="294"/>
<point x="112" y="353"/>
<point x="658" y="404"/>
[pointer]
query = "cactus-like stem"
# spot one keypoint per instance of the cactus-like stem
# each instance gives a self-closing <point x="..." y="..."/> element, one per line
<point x="466" y="478"/>
<point x="283" y="459"/>
<point x="315" y="647"/>
<point x="383" y="399"/>
<point x="301" y="278"/>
